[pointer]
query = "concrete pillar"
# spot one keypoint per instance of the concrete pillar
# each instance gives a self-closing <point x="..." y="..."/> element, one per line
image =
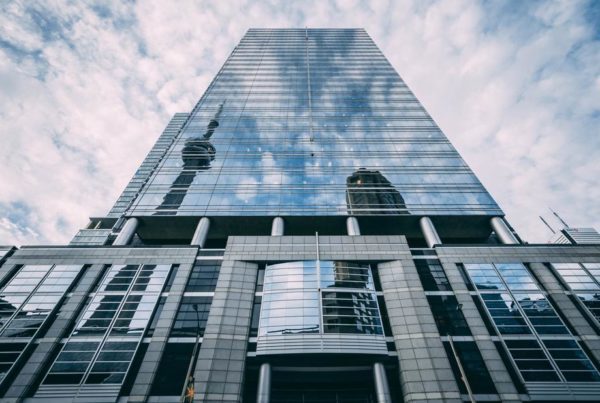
<point x="431" y="236"/>
<point x="382" y="389"/>
<point x="502" y="231"/>
<point x="352" y="226"/>
<point x="277" y="228"/>
<point x="201" y="233"/>
<point x="263" y="395"/>
<point x="127" y="232"/>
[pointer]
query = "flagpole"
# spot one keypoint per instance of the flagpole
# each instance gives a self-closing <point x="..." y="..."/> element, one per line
<point x="188" y="386"/>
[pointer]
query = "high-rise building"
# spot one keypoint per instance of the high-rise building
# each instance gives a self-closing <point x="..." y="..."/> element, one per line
<point x="305" y="234"/>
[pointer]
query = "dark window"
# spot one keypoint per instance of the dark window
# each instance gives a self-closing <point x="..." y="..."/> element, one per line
<point x="260" y="279"/>
<point x="172" y="369"/>
<point x="376" y="279"/>
<point x="385" y="319"/>
<point x="133" y="371"/>
<point x="191" y="316"/>
<point x="510" y="368"/>
<point x="432" y="275"/>
<point x="171" y="278"/>
<point x="448" y="316"/>
<point x="255" y="316"/>
<point x="204" y="276"/>
<point x="472" y="363"/>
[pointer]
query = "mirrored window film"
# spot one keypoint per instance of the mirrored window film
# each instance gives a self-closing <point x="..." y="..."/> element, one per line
<point x="524" y="309"/>
<point x="293" y="302"/>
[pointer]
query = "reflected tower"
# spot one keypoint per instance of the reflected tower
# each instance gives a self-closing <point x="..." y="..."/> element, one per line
<point x="197" y="155"/>
<point x="369" y="192"/>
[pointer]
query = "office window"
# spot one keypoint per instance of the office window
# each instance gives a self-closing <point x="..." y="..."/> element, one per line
<point x="204" y="276"/>
<point x="432" y="275"/>
<point x="174" y="363"/>
<point x="106" y="337"/>
<point x="291" y="299"/>
<point x="191" y="316"/>
<point x="27" y="301"/>
<point x="472" y="363"/>
<point x="584" y="281"/>
<point x="448" y="316"/>
<point x="523" y="309"/>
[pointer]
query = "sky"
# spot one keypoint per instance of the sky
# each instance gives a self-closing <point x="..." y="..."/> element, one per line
<point x="86" y="88"/>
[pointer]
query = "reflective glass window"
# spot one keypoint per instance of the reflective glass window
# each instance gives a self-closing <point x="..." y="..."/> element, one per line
<point x="432" y="275"/>
<point x="115" y="318"/>
<point x="448" y="315"/>
<point x="204" y="276"/>
<point x="291" y="299"/>
<point x="473" y="365"/>
<point x="191" y="317"/>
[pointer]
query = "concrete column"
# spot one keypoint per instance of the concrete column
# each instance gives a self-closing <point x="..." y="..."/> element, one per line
<point x="263" y="395"/>
<point x="431" y="236"/>
<point x="127" y="232"/>
<point x="382" y="390"/>
<point x="502" y="231"/>
<point x="277" y="228"/>
<point x="352" y="226"/>
<point x="201" y="233"/>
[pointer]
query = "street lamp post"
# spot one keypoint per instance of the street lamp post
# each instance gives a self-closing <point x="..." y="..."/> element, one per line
<point x="187" y="395"/>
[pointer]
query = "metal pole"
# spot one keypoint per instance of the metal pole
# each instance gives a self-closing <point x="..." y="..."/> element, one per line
<point x="431" y="236"/>
<point x="127" y="232"/>
<point x="189" y="379"/>
<point x="201" y="232"/>
<point x="463" y="375"/>
<point x="382" y="389"/>
<point x="277" y="227"/>
<point x="503" y="232"/>
<point x="263" y="394"/>
<point x="352" y="226"/>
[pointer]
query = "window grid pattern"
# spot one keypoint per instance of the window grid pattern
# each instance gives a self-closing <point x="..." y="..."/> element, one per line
<point x="291" y="119"/>
<point x="204" y="276"/>
<point x="584" y="281"/>
<point x="26" y="302"/>
<point x="104" y="341"/>
<point x="191" y="317"/>
<point x="319" y="297"/>
<point x="529" y="325"/>
<point x="432" y="275"/>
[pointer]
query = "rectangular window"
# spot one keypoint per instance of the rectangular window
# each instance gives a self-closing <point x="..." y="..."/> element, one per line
<point x="28" y="300"/>
<point x="204" y="276"/>
<point x="448" y="316"/>
<point x="107" y="335"/>
<point x="191" y="317"/>
<point x="522" y="308"/>
<point x="432" y="275"/>
<point x="472" y="363"/>
<point x="174" y="363"/>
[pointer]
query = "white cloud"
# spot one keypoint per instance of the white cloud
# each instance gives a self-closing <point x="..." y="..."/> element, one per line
<point x="86" y="90"/>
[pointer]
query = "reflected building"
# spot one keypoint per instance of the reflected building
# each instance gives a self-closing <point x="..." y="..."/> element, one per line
<point x="315" y="238"/>
<point x="197" y="154"/>
<point x="369" y="192"/>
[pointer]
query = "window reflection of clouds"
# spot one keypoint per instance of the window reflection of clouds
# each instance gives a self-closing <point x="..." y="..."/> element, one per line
<point x="363" y="115"/>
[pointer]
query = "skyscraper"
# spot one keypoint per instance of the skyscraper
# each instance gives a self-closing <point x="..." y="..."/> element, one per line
<point x="305" y="234"/>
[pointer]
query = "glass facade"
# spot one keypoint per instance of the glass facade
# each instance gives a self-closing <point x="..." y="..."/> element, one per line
<point x="311" y="122"/>
<point x="104" y="341"/>
<point x="584" y="281"/>
<point x="540" y="344"/>
<point x="319" y="297"/>
<point x="26" y="303"/>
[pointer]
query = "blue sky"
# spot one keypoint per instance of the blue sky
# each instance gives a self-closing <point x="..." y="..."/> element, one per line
<point x="87" y="87"/>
